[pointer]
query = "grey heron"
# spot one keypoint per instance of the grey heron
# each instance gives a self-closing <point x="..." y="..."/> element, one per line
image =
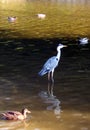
<point x="51" y="64"/>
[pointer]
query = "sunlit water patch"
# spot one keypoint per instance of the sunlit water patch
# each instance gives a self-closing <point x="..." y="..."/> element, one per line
<point x="69" y="19"/>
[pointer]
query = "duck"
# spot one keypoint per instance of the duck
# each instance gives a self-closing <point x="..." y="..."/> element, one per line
<point x="15" y="115"/>
<point x="83" y="41"/>
<point x="12" y="19"/>
<point x="41" y="16"/>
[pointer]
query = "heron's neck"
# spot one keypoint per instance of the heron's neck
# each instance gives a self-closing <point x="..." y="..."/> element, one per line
<point x="58" y="54"/>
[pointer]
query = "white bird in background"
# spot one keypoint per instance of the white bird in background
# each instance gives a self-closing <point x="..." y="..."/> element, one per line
<point x="41" y="16"/>
<point x="51" y="64"/>
<point x="12" y="19"/>
<point x="83" y="41"/>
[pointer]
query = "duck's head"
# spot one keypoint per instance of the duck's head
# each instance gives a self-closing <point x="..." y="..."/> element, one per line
<point x="25" y="110"/>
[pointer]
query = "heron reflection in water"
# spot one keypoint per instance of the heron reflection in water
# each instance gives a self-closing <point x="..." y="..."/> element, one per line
<point x="48" y="97"/>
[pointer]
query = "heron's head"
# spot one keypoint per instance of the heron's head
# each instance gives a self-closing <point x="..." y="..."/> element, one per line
<point x="60" y="46"/>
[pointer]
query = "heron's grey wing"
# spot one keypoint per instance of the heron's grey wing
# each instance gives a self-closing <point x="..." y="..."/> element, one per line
<point x="51" y="63"/>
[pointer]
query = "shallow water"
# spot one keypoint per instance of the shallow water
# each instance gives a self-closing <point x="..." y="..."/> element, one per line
<point x="64" y="105"/>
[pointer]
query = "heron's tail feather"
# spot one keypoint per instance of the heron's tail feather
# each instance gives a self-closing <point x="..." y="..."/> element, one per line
<point x="42" y="72"/>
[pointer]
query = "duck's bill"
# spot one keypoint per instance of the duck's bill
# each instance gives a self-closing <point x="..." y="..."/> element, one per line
<point x="29" y="111"/>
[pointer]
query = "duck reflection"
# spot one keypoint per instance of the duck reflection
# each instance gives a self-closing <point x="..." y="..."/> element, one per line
<point x="48" y="97"/>
<point x="14" y="125"/>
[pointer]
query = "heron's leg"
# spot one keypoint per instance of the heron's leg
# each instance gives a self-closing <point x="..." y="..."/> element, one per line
<point x="50" y="88"/>
<point x="48" y="76"/>
<point x="52" y="76"/>
<point x="51" y="91"/>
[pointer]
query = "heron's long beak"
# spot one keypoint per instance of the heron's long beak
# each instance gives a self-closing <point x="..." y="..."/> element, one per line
<point x="64" y="45"/>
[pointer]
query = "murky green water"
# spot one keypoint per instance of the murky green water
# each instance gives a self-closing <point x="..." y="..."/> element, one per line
<point x="64" y="105"/>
